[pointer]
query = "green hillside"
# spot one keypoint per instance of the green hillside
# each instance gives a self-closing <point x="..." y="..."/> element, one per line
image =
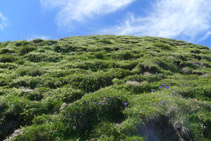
<point x="105" y="88"/>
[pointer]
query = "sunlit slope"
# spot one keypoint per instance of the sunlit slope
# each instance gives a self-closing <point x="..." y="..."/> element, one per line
<point x="105" y="88"/>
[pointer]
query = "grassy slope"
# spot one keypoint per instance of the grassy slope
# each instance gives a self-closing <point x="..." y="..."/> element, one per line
<point x="106" y="83"/>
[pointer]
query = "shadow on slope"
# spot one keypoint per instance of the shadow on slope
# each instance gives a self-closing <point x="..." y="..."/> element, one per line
<point x="161" y="130"/>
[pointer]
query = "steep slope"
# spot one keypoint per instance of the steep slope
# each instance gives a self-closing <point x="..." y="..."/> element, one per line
<point x="105" y="88"/>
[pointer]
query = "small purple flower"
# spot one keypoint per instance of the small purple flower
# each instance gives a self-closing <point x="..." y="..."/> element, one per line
<point x="163" y="102"/>
<point x="125" y="104"/>
<point x="159" y="92"/>
<point x="194" y="63"/>
<point x="100" y="103"/>
<point x="172" y="95"/>
<point x="163" y="84"/>
<point x="167" y="87"/>
<point x="153" y="90"/>
<point x="160" y="87"/>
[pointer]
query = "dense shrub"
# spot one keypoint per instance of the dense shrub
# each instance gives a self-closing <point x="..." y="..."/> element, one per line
<point x="54" y="83"/>
<point x="106" y="131"/>
<point x="92" y="110"/>
<point x="119" y="73"/>
<point x="26" y="81"/>
<point x="91" y="83"/>
<point x="22" y="43"/>
<point x="44" y="132"/>
<point x="66" y="49"/>
<point x="20" y="61"/>
<point x="26" y="49"/>
<point x="38" y="57"/>
<point x="37" y="41"/>
<point x="167" y="65"/>
<point x="106" y="41"/>
<point x="6" y="50"/>
<point x="7" y="58"/>
<point x="35" y="57"/>
<point x="94" y="65"/>
<point x="58" y="49"/>
<point x="141" y="78"/>
<point x="95" y="81"/>
<point x="5" y="80"/>
<point x="47" y="42"/>
<point x="8" y="66"/>
<point x="31" y="95"/>
<point x="123" y="55"/>
<point x="21" y="113"/>
<point x="99" y="55"/>
<point x="197" y="92"/>
<point x="162" y="45"/>
<point x="149" y="68"/>
<point x="65" y="94"/>
<point x="137" y="89"/>
<point x="30" y="72"/>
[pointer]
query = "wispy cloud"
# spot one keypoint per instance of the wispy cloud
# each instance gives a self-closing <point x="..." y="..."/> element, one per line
<point x="79" y="10"/>
<point x="3" y="21"/>
<point x="187" y="19"/>
<point x="207" y="35"/>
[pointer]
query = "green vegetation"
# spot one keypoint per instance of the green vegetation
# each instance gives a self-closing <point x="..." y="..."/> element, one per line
<point x="105" y="88"/>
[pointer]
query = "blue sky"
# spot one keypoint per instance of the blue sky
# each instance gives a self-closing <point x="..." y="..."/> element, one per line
<point x="188" y="20"/>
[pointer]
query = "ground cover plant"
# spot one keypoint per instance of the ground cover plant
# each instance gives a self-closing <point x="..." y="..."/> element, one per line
<point x="105" y="88"/>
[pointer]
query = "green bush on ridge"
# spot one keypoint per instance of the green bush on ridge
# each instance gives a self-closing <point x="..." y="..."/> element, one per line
<point x="26" y="49"/>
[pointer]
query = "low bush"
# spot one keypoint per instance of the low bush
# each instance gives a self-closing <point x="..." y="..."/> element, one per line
<point x="9" y="66"/>
<point x="26" y="81"/>
<point x="26" y="49"/>
<point x="141" y="78"/>
<point x="7" y="58"/>
<point x="93" y="109"/>
<point x="95" y="81"/>
<point x="43" y="132"/>
<point x="6" y="50"/>
<point x="5" y="80"/>
<point x="90" y="83"/>
<point x="21" y="112"/>
<point x="54" y="83"/>
<point x="47" y="42"/>
<point x="39" y="57"/>
<point x="22" y="43"/>
<point x="197" y="92"/>
<point x="106" y="129"/>
<point x="106" y="41"/>
<point x="65" y="94"/>
<point x="31" y="95"/>
<point x="123" y="55"/>
<point x="94" y="65"/>
<point x="30" y="72"/>
<point x="37" y="41"/>
<point x="137" y="88"/>
<point x="99" y="55"/>
<point x="161" y="45"/>
<point x="167" y="65"/>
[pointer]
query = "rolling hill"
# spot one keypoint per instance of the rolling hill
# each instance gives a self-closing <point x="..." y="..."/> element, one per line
<point x="105" y="88"/>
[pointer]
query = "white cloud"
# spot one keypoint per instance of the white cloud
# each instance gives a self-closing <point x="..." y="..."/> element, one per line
<point x="3" y="20"/>
<point x="186" y="19"/>
<point x="205" y="36"/>
<point x="79" y="10"/>
<point x="38" y="37"/>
